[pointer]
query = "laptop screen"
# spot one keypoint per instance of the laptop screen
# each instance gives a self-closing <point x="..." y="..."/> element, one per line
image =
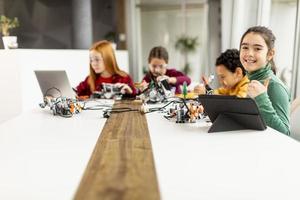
<point x="54" y="83"/>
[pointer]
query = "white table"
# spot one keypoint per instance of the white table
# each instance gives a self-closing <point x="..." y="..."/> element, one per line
<point x="44" y="157"/>
<point x="193" y="164"/>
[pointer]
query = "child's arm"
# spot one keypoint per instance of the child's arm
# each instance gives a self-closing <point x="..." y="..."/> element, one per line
<point x="83" y="89"/>
<point x="180" y="78"/>
<point x="274" y="107"/>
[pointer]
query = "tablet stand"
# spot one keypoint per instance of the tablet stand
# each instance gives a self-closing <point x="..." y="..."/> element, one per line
<point x="236" y="121"/>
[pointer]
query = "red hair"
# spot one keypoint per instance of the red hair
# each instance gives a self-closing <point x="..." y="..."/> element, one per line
<point x="109" y="59"/>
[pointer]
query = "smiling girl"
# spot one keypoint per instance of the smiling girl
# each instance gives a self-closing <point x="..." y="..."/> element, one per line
<point x="271" y="95"/>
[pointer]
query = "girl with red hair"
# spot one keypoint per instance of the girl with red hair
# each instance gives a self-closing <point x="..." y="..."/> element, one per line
<point x="104" y="69"/>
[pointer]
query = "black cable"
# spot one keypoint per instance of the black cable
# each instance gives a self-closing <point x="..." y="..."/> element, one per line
<point x="108" y="112"/>
<point x="93" y="108"/>
<point x="182" y="100"/>
<point x="161" y="108"/>
<point x="65" y="116"/>
<point x="145" y="90"/>
<point x="188" y="110"/>
<point x="96" y="107"/>
<point x="122" y="109"/>
<point x="55" y="88"/>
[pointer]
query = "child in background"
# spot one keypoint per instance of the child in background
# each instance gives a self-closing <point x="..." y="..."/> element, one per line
<point x="104" y="69"/>
<point x="231" y="75"/>
<point x="271" y="96"/>
<point x="158" y="70"/>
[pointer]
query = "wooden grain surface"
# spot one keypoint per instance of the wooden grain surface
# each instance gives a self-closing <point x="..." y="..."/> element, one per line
<point x="122" y="165"/>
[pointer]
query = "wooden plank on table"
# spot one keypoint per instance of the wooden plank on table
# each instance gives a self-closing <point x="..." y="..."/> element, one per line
<point x="122" y="165"/>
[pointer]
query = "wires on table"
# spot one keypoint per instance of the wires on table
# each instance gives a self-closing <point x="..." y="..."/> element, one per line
<point x="146" y="110"/>
<point x="108" y="112"/>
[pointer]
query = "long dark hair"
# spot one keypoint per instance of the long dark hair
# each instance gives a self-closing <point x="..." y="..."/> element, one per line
<point x="267" y="35"/>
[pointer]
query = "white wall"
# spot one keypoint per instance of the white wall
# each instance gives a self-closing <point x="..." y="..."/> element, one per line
<point x="10" y="86"/>
<point x="284" y="14"/>
<point x="163" y="25"/>
<point x="237" y="17"/>
<point x="18" y="85"/>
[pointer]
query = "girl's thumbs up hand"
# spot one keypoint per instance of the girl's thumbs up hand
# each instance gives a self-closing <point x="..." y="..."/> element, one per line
<point x="256" y="88"/>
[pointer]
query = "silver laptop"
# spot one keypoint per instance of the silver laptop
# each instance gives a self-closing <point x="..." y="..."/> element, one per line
<point x="54" y="83"/>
